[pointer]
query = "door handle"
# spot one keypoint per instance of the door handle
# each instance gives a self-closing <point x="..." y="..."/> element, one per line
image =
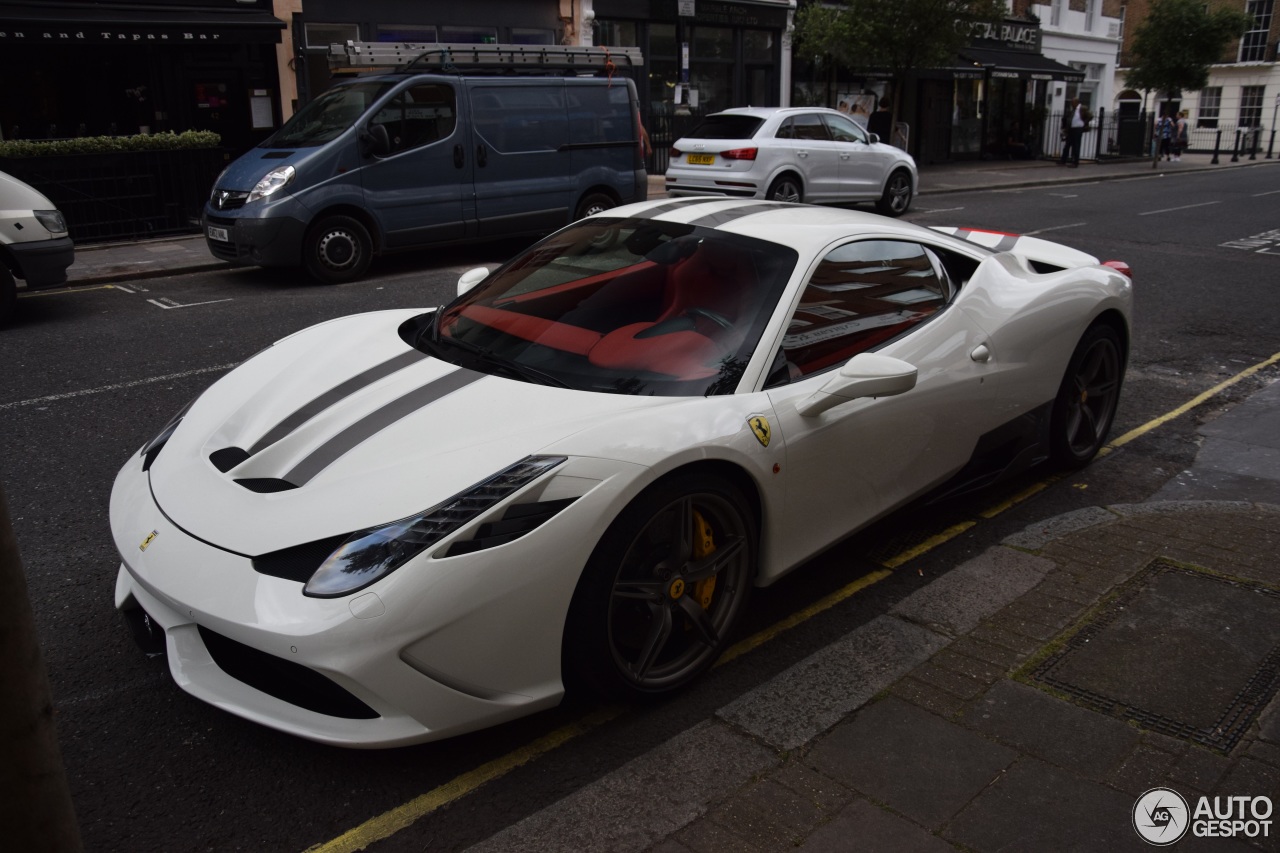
<point x="458" y="157"/>
<point x="981" y="353"/>
<point x="802" y="153"/>
<point x="482" y="156"/>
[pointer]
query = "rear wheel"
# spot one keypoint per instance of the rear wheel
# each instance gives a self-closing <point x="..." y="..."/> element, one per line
<point x="786" y="188"/>
<point x="8" y="296"/>
<point x="593" y="203"/>
<point x="1086" y="403"/>
<point x="337" y="249"/>
<point x="664" y="590"/>
<point x="897" y="195"/>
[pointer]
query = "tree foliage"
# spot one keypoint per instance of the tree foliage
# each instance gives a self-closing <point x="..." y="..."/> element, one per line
<point x="892" y="35"/>
<point x="1174" y="47"/>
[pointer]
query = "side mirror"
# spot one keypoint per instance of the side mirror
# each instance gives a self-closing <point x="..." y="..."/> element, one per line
<point x="874" y="137"/>
<point x="471" y="278"/>
<point x="374" y="140"/>
<point x="864" y="375"/>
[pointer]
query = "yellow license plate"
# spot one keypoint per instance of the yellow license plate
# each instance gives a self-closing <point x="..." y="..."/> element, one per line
<point x="702" y="159"/>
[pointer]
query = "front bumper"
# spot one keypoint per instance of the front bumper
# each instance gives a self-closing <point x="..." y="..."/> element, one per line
<point x="43" y="263"/>
<point x="441" y="646"/>
<point x="273" y="242"/>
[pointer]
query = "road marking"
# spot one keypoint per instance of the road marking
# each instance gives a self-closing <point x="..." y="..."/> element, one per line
<point x="1066" y="195"/>
<point x="936" y="209"/>
<point x="1183" y="207"/>
<point x="389" y="823"/>
<point x="62" y="291"/>
<point x="1260" y="195"/>
<point x="167" y="303"/>
<point x="1261" y="243"/>
<point x="121" y="287"/>
<point x="116" y="387"/>
<point x="1054" y="228"/>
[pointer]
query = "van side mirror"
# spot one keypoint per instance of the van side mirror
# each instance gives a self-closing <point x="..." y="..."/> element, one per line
<point x="865" y="375"/>
<point x="471" y="278"/>
<point x="375" y="141"/>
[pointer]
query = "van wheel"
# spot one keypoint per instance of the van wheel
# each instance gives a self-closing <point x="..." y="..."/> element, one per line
<point x="8" y="296"/>
<point x="594" y="203"/>
<point x="337" y="249"/>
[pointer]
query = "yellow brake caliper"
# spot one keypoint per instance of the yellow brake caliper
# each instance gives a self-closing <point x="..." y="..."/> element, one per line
<point x="703" y="546"/>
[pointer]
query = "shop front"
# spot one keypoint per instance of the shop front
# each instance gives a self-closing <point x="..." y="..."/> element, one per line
<point x="701" y="56"/>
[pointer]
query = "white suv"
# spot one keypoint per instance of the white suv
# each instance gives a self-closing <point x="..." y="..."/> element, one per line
<point x="791" y="154"/>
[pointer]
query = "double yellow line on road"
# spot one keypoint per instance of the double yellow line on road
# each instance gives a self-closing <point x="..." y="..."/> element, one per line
<point x="387" y="824"/>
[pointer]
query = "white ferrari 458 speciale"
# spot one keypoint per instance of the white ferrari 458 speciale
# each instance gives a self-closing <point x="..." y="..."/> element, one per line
<point x="403" y="525"/>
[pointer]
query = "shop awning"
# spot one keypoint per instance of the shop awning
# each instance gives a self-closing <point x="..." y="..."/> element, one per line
<point x="50" y="24"/>
<point x="1017" y="64"/>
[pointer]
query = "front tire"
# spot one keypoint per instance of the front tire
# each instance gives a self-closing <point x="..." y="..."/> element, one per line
<point x="337" y="249"/>
<point x="1086" y="403"/>
<point x="786" y="188"/>
<point x="896" y="198"/>
<point x="664" y="590"/>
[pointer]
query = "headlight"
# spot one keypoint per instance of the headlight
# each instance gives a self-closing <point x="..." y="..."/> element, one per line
<point x="373" y="554"/>
<point x="152" y="448"/>
<point x="52" y="220"/>
<point x="271" y="183"/>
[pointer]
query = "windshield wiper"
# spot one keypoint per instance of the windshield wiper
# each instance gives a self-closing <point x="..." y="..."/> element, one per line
<point x="511" y="369"/>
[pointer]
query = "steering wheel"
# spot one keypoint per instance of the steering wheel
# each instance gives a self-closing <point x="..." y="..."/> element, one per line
<point x="719" y="319"/>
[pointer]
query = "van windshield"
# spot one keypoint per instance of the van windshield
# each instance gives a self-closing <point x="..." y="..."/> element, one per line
<point x="327" y="116"/>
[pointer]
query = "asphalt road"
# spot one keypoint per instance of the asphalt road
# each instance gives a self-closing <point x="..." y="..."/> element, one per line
<point x="89" y="375"/>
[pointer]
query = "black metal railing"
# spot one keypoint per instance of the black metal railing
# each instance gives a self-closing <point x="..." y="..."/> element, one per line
<point x="124" y="195"/>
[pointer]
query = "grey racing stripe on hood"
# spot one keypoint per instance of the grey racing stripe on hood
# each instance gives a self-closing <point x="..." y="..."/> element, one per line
<point x="373" y="423"/>
<point x="715" y="220"/>
<point x="335" y="395"/>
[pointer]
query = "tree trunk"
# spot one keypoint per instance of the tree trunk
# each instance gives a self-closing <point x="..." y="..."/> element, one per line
<point x="35" y="801"/>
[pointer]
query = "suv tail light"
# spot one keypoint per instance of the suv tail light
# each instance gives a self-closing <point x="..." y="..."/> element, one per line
<point x="740" y="154"/>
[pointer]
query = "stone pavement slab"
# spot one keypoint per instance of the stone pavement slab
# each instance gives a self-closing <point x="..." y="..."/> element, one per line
<point x="867" y="827"/>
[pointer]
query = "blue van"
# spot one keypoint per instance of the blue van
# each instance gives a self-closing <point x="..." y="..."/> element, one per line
<point x="397" y="161"/>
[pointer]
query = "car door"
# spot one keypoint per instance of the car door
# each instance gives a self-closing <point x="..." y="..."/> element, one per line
<point x="862" y="167"/>
<point x="421" y="189"/>
<point x="857" y="460"/>
<point x="813" y="154"/>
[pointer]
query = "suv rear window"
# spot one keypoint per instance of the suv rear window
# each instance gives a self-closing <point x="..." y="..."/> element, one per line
<point x="726" y="127"/>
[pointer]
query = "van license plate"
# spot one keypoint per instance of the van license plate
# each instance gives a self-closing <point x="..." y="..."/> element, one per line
<point x="219" y="234"/>
<point x="702" y="159"/>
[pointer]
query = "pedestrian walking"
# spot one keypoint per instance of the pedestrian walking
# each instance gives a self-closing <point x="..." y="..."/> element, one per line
<point x="881" y="122"/>
<point x="1075" y="121"/>
<point x="1180" y="136"/>
<point x="1164" y="137"/>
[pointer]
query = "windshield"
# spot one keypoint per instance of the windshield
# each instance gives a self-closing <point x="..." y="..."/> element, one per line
<point x="726" y="127"/>
<point x="627" y="306"/>
<point x="327" y="116"/>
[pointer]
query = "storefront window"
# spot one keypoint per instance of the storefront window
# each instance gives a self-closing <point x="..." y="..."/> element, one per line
<point x="711" y="69"/>
<point x="757" y="46"/>
<point x="469" y="35"/>
<point x="323" y="35"/>
<point x="406" y="33"/>
<point x="662" y="40"/>
<point x="525" y="35"/>
<point x="615" y="34"/>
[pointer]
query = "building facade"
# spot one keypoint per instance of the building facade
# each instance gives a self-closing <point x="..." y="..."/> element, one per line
<point x="1243" y="92"/>
<point x="143" y="66"/>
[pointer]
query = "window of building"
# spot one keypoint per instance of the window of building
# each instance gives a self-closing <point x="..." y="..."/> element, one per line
<point x="405" y="33"/>
<point x="469" y="35"/>
<point x="1253" y="45"/>
<point x="1251" y="106"/>
<point x="526" y="35"/>
<point x="1209" y="107"/>
<point x="323" y="35"/>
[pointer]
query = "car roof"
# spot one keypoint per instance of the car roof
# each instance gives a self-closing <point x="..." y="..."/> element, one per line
<point x="805" y="227"/>
<point x="769" y="112"/>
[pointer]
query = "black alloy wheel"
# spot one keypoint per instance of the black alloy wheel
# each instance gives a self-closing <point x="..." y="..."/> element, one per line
<point x="663" y="591"/>
<point x="1086" y="403"/>
<point x="897" y="195"/>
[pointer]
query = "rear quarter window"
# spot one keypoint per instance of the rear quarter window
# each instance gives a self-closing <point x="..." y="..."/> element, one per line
<point x="726" y="127"/>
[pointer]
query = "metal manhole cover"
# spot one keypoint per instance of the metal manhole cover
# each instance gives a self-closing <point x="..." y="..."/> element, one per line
<point x="1177" y="651"/>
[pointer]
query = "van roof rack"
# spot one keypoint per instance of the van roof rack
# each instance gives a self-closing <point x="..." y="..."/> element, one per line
<point x="454" y="58"/>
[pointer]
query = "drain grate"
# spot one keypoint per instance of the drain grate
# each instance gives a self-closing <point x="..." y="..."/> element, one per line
<point x="1181" y="652"/>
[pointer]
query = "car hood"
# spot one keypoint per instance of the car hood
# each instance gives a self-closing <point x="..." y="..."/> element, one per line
<point x="16" y="195"/>
<point x="343" y="427"/>
<point x="245" y="171"/>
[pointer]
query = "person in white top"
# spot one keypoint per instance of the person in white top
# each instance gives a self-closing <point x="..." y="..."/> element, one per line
<point x="1075" y="121"/>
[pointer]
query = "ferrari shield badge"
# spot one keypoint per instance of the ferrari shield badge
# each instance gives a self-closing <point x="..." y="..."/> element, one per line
<point x="148" y="540"/>
<point x="760" y="426"/>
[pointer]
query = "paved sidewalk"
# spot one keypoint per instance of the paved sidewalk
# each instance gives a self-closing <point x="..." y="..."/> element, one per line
<point x="1023" y="701"/>
<point x="112" y="262"/>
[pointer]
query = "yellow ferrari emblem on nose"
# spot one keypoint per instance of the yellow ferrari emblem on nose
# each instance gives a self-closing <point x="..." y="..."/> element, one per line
<point x="150" y="538"/>
<point x="760" y="426"/>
